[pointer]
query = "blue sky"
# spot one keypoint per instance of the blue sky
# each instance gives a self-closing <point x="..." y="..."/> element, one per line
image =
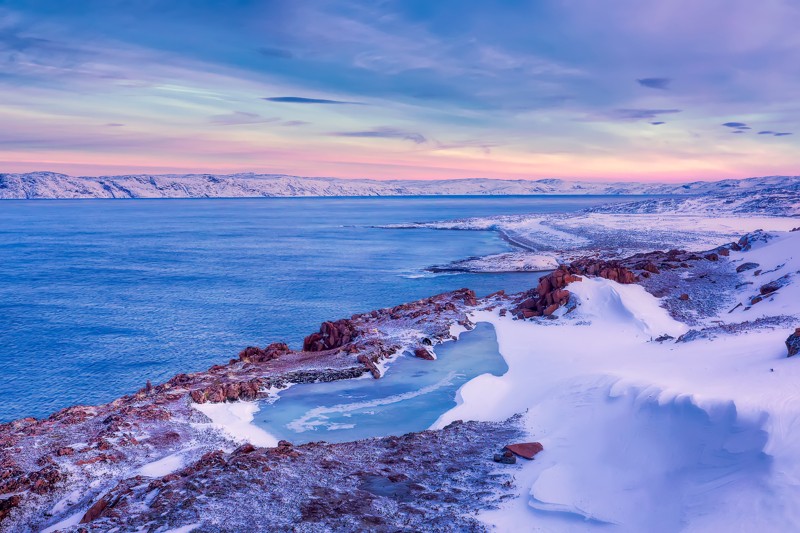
<point x="627" y="89"/>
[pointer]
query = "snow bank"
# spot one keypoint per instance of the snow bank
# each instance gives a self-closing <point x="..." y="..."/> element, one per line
<point x="235" y="420"/>
<point x="647" y="436"/>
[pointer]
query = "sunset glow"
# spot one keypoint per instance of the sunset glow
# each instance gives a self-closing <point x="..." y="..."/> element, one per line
<point x="402" y="89"/>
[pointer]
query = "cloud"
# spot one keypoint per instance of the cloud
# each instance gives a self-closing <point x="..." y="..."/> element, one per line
<point x="655" y="83"/>
<point x="657" y="123"/>
<point x="783" y="134"/>
<point x="301" y="100"/>
<point x="639" y="114"/>
<point x="240" y="117"/>
<point x="294" y="123"/>
<point x="738" y="125"/>
<point x="114" y="125"/>
<point x="276" y="53"/>
<point x="766" y="132"/>
<point x="384" y="133"/>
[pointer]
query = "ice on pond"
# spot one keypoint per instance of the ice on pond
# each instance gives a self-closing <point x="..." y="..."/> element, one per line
<point x="410" y="397"/>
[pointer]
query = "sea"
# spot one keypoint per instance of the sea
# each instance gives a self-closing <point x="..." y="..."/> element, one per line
<point x="99" y="296"/>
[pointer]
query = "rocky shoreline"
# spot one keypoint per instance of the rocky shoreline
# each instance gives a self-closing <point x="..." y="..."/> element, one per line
<point x="86" y="467"/>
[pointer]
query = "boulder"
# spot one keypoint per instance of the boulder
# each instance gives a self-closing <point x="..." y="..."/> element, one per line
<point x="331" y="335"/>
<point x="526" y="450"/>
<point x="793" y="343"/>
<point x="424" y="353"/>
<point x="746" y="266"/>
<point x="506" y="458"/>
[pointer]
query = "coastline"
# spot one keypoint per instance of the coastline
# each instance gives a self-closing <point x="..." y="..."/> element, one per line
<point x="164" y="421"/>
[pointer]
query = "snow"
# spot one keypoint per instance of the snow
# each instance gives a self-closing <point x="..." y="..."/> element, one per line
<point x="163" y="466"/>
<point x="235" y="420"/>
<point x="647" y="436"/>
<point x="71" y="520"/>
<point x="53" y="185"/>
<point x="184" y="529"/>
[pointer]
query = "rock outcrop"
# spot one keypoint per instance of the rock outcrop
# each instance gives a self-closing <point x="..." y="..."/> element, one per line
<point x="793" y="343"/>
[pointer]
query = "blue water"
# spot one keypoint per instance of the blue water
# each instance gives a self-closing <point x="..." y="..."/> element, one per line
<point x="98" y="296"/>
<point x="411" y="396"/>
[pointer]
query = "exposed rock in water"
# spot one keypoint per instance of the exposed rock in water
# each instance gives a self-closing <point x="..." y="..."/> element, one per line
<point x="793" y="343"/>
<point x="424" y="353"/>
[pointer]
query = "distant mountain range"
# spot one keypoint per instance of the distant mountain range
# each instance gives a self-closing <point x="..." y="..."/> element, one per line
<point x="36" y="185"/>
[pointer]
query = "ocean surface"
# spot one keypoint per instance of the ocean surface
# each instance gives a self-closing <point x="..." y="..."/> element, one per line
<point x="98" y="296"/>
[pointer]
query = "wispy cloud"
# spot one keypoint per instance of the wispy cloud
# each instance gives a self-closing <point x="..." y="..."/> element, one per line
<point x="241" y="117"/>
<point x="302" y="100"/>
<point x="638" y="114"/>
<point x="276" y="53"/>
<point x="655" y="83"/>
<point x="384" y="133"/>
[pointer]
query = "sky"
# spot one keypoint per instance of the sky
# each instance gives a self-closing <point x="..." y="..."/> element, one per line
<point x="660" y="90"/>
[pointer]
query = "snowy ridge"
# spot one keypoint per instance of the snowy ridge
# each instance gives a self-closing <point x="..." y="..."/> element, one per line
<point x="53" y="185"/>
<point x="774" y="201"/>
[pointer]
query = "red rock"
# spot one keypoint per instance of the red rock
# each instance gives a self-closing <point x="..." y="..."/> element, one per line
<point x="8" y="504"/>
<point x="526" y="450"/>
<point x="66" y="450"/>
<point x="198" y="396"/>
<point x="550" y="309"/>
<point x="683" y="297"/>
<point x="96" y="510"/>
<point x="423" y="353"/>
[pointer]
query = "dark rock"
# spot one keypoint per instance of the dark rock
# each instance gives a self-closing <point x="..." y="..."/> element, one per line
<point x="712" y="257"/>
<point x="746" y="266"/>
<point x="793" y="343"/>
<point x="503" y="459"/>
<point x="683" y="297"/>
<point x="8" y="504"/>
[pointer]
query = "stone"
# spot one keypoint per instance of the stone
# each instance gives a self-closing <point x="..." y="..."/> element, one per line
<point x="683" y="297"/>
<point x="424" y="353"/>
<point x="526" y="450"/>
<point x="793" y="343"/>
<point x="504" y="459"/>
<point x="96" y="510"/>
<point x="746" y="266"/>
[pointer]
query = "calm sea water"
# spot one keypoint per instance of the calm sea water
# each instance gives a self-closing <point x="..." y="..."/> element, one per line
<point x="98" y="296"/>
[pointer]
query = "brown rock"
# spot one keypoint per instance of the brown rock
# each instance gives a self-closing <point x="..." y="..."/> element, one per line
<point x="793" y="343"/>
<point x="683" y="297"/>
<point x="423" y="353"/>
<point x="526" y="450"/>
<point x="96" y="510"/>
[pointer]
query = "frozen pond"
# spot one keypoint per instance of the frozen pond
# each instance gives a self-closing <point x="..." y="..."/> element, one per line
<point x="410" y="397"/>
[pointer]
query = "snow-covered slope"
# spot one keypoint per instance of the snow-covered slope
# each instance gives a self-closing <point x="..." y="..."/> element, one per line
<point x="53" y="185"/>
<point x="698" y="434"/>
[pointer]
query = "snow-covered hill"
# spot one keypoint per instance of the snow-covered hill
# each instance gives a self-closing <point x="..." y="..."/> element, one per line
<point x="53" y="185"/>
